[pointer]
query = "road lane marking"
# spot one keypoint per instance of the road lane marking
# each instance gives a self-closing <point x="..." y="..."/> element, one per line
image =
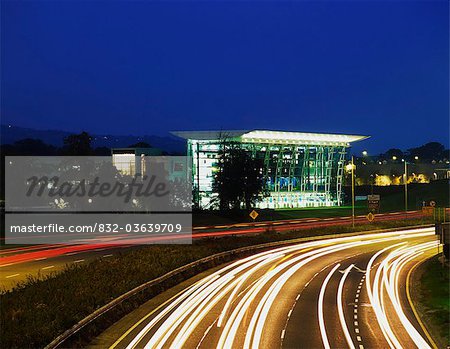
<point x="357" y="330"/>
<point x="79" y="261"/>
<point x="408" y="295"/>
<point x="282" y="334"/>
<point x="11" y="276"/>
<point x="72" y="253"/>
<point x="323" y="332"/>
<point x="40" y="259"/>
<point x="107" y="255"/>
<point x="6" y="265"/>
<point x="340" y="305"/>
<point x="361" y="346"/>
<point x="49" y="267"/>
<point x="358" y="338"/>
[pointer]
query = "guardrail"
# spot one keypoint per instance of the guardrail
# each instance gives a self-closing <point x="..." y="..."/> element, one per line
<point x="92" y="325"/>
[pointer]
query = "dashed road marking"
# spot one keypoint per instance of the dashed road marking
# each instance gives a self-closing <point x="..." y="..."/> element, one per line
<point x="79" y="261"/>
<point x="40" y="259"/>
<point x="107" y="255"/>
<point x="48" y="267"/>
<point x="358" y="338"/>
<point x="282" y="334"/>
<point x="6" y="265"/>
<point x="357" y="330"/>
<point x="11" y="276"/>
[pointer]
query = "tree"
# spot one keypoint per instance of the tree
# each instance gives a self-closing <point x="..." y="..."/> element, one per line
<point x="140" y="145"/>
<point x="429" y="151"/>
<point x="78" y="144"/>
<point x="239" y="178"/>
<point x="391" y="153"/>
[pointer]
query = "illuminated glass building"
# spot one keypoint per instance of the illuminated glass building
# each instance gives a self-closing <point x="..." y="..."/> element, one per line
<point x="300" y="169"/>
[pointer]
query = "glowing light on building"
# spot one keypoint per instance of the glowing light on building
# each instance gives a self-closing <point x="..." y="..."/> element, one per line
<point x="300" y="169"/>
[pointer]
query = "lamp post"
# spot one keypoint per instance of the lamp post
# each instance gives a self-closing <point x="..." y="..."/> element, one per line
<point x="351" y="168"/>
<point x="353" y="194"/>
<point x="405" y="183"/>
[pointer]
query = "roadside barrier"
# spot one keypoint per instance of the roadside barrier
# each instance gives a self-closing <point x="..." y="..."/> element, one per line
<point x="91" y="326"/>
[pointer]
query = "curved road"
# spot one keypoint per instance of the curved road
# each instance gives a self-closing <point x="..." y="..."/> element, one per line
<point x="336" y="293"/>
<point x="18" y="262"/>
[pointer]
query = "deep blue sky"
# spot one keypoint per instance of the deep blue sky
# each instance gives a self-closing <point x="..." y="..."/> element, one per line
<point x="376" y="68"/>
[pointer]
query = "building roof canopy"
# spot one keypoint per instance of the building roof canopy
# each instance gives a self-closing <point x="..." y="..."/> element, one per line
<point x="275" y="137"/>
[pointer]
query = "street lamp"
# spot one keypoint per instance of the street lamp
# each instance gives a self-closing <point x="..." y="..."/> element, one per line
<point x="394" y="158"/>
<point x="405" y="183"/>
<point x="351" y="167"/>
<point x="364" y="153"/>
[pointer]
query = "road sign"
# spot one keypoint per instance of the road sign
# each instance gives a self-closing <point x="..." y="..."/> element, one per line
<point x="370" y="217"/>
<point x="254" y="214"/>
<point x="373" y="203"/>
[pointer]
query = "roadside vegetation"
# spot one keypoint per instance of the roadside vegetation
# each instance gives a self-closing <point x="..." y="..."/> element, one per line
<point x="392" y="199"/>
<point x="434" y="299"/>
<point x="41" y="308"/>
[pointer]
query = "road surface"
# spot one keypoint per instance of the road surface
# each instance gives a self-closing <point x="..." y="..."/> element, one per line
<point x="336" y="293"/>
<point x="18" y="262"/>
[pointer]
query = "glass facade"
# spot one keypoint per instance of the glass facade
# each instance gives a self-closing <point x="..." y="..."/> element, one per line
<point x="300" y="169"/>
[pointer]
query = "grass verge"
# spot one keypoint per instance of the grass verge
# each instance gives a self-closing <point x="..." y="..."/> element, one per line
<point x="433" y="297"/>
<point x="39" y="309"/>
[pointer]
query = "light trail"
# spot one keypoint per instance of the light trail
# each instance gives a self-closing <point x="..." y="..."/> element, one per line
<point x="232" y="305"/>
<point x="340" y="302"/>
<point x="323" y="331"/>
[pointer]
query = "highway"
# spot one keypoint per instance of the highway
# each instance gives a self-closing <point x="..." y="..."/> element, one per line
<point x="348" y="292"/>
<point x="18" y="262"/>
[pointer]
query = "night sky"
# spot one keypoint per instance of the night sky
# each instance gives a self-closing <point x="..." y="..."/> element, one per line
<point x="375" y="68"/>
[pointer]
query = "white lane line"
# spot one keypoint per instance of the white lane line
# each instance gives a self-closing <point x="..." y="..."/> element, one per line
<point x="205" y="334"/>
<point x="11" y="276"/>
<point x="320" y="307"/>
<point x="49" y="267"/>
<point x="290" y="312"/>
<point x="282" y="334"/>
<point x="6" y="265"/>
<point x="71" y="253"/>
<point x="356" y="299"/>
<point x="358" y="338"/>
<point x="355" y="310"/>
<point x="298" y="296"/>
<point x="107" y="255"/>
<point x="40" y="259"/>
<point x="355" y="317"/>
<point x="340" y="305"/>
<point x="357" y="330"/>
<point x="356" y="323"/>
<point x="79" y="261"/>
<point x="361" y="346"/>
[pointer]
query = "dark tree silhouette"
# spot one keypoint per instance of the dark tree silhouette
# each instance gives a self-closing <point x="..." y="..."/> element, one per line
<point x="78" y="144"/>
<point x="239" y="179"/>
<point x="140" y="145"/>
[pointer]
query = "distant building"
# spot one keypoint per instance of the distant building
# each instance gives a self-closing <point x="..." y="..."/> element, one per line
<point x="131" y="161"/>
<point x="300" y="169"/>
